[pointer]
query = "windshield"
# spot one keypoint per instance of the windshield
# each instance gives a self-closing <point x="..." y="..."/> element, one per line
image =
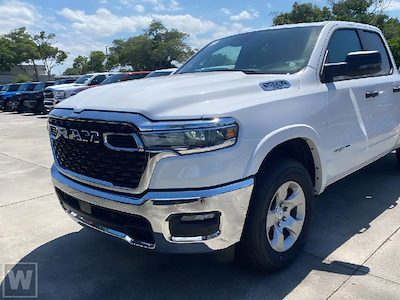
<point x="24" y="87"/>
<point x="40" y="86"/>
<point x="83" y="79"/>
<point x="158" y="73"/>
<point x="13" y="88"/>
<point x="274" y="51"/>
<point x="135" y="76"/>
<point x="113" y="78"/>
<point x="63" y="81"/>
<point x="5" y="88"/>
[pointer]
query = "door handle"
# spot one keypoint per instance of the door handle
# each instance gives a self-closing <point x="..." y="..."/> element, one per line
<point x="371" y="94"/>
<point x="396" y="89"/>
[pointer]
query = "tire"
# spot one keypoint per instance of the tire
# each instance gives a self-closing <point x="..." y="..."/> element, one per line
<point x="279" y="216"/>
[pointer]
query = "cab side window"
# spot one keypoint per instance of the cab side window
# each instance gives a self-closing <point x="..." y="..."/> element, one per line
<point x="98" y="79"/>
<point x="342" y="42"/>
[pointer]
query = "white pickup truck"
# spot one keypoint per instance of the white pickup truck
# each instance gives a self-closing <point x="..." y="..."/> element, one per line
<point x="235" y="147"/>
<point x="57" y="93"/>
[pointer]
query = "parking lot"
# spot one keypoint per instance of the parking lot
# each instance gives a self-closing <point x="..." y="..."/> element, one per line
<point x="352" y="251"/>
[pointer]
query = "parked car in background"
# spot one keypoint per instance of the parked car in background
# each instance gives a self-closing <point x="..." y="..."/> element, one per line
<point x="6" y="96"/>
<point x="58" y="93"/>
<point x="162" y="72"/>
<point x="30" y="100"/>
<point x="65" y="80"/>
<point x="10" y="87"/>
<point x="126" y="76"/>
<point x="114" y="79"/>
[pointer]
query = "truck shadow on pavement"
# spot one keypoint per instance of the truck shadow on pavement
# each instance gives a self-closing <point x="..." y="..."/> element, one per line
<point x="88" y="265"/>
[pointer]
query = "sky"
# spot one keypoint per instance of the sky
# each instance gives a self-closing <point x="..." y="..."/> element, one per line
<point x="91" y="25"/>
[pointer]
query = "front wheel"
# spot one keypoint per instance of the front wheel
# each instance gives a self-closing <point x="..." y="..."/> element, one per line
<point x="279" y="216"/>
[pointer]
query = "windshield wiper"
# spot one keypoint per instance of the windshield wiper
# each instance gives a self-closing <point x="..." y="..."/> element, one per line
<point x="234" y="70"/>
<point x="249" y="71"/>
<point x="224" y="70"/>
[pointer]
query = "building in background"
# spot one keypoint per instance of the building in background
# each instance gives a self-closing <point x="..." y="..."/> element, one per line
<point x="8" y="76"/>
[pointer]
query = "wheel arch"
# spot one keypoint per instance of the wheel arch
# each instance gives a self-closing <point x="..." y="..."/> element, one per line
<point x="299" y="142"/>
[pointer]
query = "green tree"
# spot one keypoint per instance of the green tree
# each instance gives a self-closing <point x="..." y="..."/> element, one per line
<point x="96" y="62"/>
<point x="303" y="13"/>
<point x="24" y="48"/>
<point x="50" y="55"/>
<point x="19" y="47"/>
<point x="79" y="67"/>
<point x="20" y="78"/>
<point x="7" y="54"/>
<point x="112" y="61"/>
<point x="156" y="48"/>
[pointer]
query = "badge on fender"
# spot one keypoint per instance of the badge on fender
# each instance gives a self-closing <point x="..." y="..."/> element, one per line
<point x="274" y="85"/>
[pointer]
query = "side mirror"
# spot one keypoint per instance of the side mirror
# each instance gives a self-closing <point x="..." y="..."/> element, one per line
<point x="356" y="64"/>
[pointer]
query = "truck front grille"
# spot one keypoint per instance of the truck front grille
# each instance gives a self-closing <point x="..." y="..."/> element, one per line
<point x="96" y="160"/>
<point x="48" y="94"/>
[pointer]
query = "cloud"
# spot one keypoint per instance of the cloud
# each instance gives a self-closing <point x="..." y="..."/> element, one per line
<point x="15" y="14"/>
<point x="159" y="7"/>
<point x="125" y="3"/>
<point x="103" y="23"/>
<point x="225" y="11"/>
<point x="217" y="33"/>
<point x="155" y="2"/>
<point x="231" y="29"/>
<point x="174" y="5"/>
<point x="162" y="5"/>
<point x="185" y="23"/>
<point x="245" y="15"/>
<point x="139" y="8"/>
<point x="394" y="6"/>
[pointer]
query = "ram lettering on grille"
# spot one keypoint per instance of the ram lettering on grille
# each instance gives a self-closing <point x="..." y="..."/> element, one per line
<point x="75" y="134"/>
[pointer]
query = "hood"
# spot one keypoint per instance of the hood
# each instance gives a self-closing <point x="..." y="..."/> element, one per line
<point x="8" y="94"/>
<point x="24" y="92"/>
<point x="182" y="96"/>
<point x="62" y="87"/>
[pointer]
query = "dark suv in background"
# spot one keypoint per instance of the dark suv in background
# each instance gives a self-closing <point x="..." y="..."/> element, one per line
<point x="24" y="87"/>
<point x="30" y="100"/>
<point x="7" y="90"/>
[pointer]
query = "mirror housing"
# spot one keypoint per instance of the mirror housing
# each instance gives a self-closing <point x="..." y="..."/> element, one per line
<point x="356" y="64"/>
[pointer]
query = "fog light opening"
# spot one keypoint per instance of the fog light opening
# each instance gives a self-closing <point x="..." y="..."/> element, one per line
<point x="194" y="226"/>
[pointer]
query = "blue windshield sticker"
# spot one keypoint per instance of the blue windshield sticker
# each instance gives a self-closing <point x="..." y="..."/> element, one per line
<point x="274" y="85"/>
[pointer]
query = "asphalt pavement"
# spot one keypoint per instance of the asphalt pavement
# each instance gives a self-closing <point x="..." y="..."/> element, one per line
<point x="352" y="251"/>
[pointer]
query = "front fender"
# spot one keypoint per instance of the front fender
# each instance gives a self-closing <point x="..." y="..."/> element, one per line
<point x="279" y="136"/>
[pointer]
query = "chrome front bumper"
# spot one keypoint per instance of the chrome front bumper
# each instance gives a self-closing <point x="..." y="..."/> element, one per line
<point x="157" y="207"/>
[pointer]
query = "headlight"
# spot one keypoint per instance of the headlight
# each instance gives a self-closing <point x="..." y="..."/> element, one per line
<point x="59" y="94"/>
<point x="194" y="140"/>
